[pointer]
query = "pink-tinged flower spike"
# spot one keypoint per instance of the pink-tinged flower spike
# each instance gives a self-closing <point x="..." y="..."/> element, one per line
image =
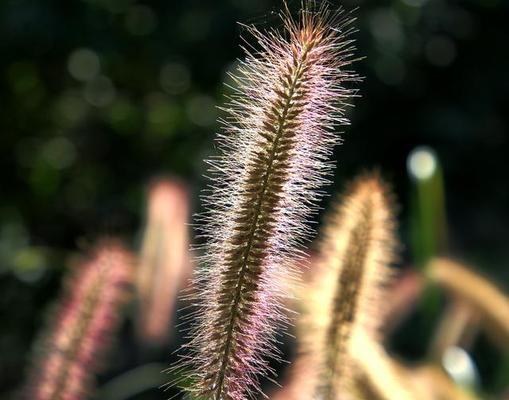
<point x="274" y="151"/>
<point x="164" y="260"/>
<point x="73" y="346"/>
<point x="349" y="293"/>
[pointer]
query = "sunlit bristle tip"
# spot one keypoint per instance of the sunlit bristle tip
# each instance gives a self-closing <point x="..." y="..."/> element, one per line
<point x="358" y="247"/>
<point x="274" y="152"/>
<point x="72" y="348"/>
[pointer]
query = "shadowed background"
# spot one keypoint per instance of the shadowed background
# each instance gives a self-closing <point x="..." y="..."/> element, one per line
<point x="99" y="96"/>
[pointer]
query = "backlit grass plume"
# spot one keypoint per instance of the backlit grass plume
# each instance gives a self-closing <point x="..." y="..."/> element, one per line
<point x="275" y="144"/>
<point x="164" y="259"/>
<point x="73" y="345"/>
<point x="347" y="297"/>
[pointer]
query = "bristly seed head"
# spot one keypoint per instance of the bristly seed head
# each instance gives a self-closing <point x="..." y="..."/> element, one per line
<point x="277" y="140"/>
<point x="86" y="317"/>
<point x="358" y="247"/>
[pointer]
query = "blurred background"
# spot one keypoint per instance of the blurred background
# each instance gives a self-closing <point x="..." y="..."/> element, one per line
<point x="98" y="97"/>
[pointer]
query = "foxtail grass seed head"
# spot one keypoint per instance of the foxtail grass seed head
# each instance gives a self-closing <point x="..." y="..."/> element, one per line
<point x="164" y="262"/>
<point x="73" y="346"/>
<point x="354" y="269"/>
<point x="274" y="151"/>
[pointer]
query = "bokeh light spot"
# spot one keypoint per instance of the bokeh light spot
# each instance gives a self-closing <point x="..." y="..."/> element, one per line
<point x="460" y="366"/>
<point x="162" y="115"/>
<point x="29" y="264"/>
<point x="83" y="64"/>
<point x="69" y="108"/>
<point x="59" y="152"/>
<point x="175" y="78"/>
<point x="13" y="235"/>
<point x="386" y="28"/>
<point x="422" y="163"/>
<point x="99" y="92"/>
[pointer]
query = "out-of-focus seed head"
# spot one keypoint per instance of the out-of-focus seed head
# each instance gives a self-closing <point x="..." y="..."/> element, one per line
<point x="353" y="270"/>
<point x="72" y="348"/>
<point x="164" y="261"/>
